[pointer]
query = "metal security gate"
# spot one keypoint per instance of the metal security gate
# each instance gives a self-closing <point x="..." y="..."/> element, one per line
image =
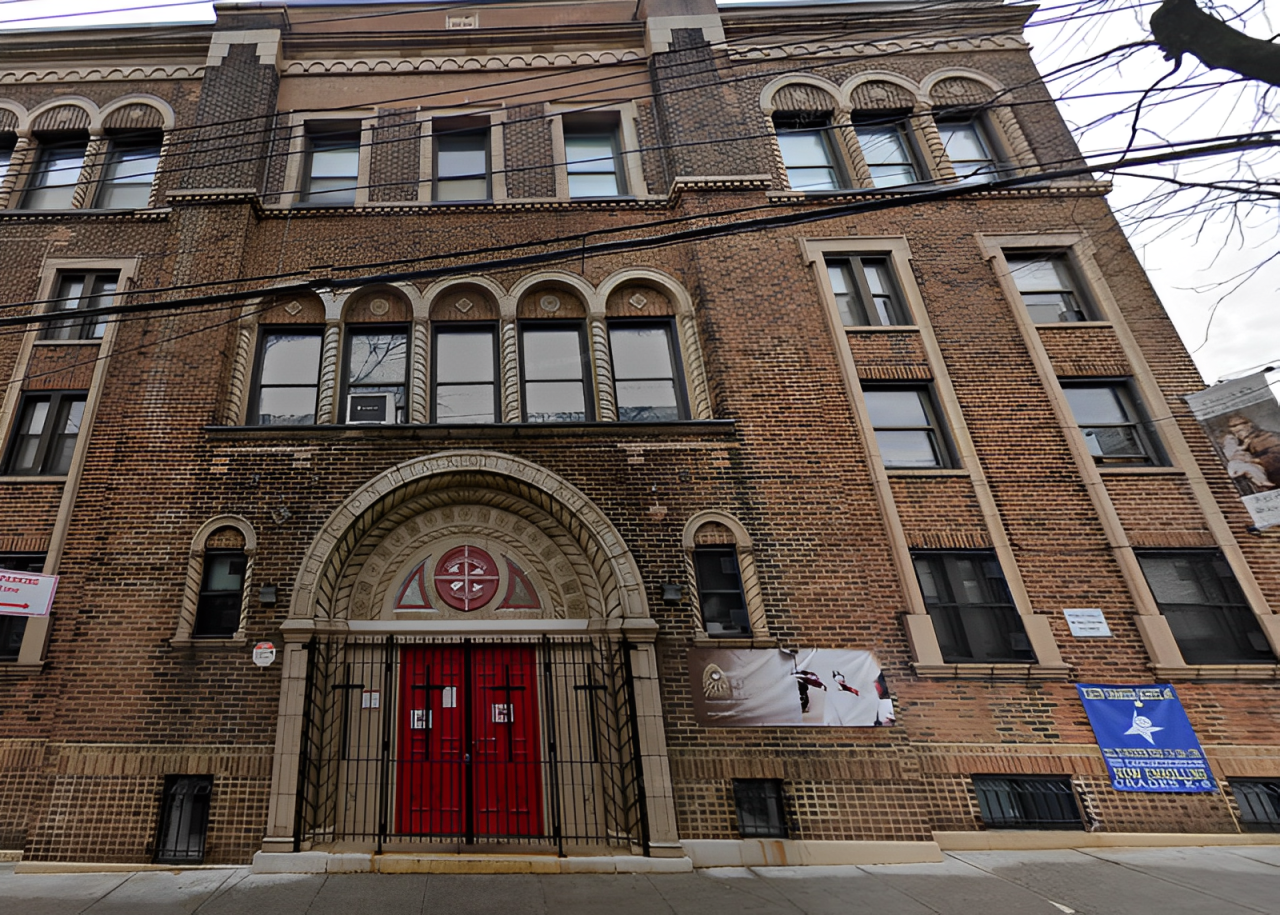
<point x="425" y="743"/>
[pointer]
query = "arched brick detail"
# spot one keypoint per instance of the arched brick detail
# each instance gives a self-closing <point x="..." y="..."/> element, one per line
<point x="874" y="95"/>
<point x="956" y="91"/>
<point x="134" y="116"/>
<point x="720" y="528"/>
<point x="213" y="534"/>
<point x="68" y="116"/>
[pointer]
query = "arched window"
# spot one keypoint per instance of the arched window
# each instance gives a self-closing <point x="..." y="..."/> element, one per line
<point x="219" y="569"/>
<point x="722" y="572"/>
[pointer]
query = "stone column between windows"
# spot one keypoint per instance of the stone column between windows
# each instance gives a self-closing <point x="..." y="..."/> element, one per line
<point x="419" y="374"/>
<point x="659" y="794"/>
<point x="510" y="372"/>
<point x="95" y="157"/>
<point x="18" y="163"/>
<point x="326" y="398"/>
<point x="859" y="173"/>
<point x="933" y="143"/>
<point x="695" y="372"/>
<point x="234" y="408"/>
<point x="603" y="363"/>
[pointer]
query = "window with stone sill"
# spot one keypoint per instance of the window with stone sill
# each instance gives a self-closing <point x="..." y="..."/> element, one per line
<point x="77" y="292"/>
<point x="129" y="172"/>
<point x="907" y="426"/>
<point x="866" y="291"/>
<point x="968" y="145"/>
<point x="555" y="370"/>
<point x="377" y="373"/>
<point x="888" y="149"/>
<point x="805" y="140"/>
<point x="462" y="161"/>
<point x="593" y="158"/>
<point x="286" y="377"/>
<point x="1114" y="424"/>
<point x="1050" y="290"/>
<point x="332" y="167"/>
<point x="646" y="376"/>
<point x="218" y="573"/>
<point x="968" y="599"/>
<point x="44" y="437"/>
<point x="464" y="373"/>
<point x="55" y="173"/>
<point x="722" y="572"/>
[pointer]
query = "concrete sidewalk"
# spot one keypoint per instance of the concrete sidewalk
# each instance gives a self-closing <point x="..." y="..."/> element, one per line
<point x="1119" y="881"/>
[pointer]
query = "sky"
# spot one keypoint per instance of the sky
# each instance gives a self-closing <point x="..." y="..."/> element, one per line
<point x="1196" y="266"/>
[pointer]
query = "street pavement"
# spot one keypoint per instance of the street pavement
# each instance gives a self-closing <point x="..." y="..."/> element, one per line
<point x="1120" y="881"/>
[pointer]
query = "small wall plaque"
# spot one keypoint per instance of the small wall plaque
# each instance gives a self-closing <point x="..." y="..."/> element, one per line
<point x="1087" y="623"/>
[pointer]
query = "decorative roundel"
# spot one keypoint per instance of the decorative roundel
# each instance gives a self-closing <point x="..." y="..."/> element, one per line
<point x="466" y="578"/>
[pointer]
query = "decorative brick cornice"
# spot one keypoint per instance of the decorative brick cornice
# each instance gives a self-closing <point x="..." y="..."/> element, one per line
<point x="383" y="65"/>
<point x="880" y="48"/>
<point x="88" y="74"/>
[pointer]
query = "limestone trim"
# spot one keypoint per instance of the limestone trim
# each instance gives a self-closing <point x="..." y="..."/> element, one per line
<point x="1160" y="645"/>
<point x="746" y="569"/>
<point x="36" y="636"/>
<point x="924" y="642"/>
<point x="774" y="86"/>
<point x="195" y="577"/>
<point x="1002" y="127"/>
<point x="266" y="44"/>
<point x="296" y="163"/>
<point x="376" y="66"/>
<point x="314" y="589"/>
<point x="630" y="166"/>
<point x="97" y="74"/>
<point x="746" y="51"/>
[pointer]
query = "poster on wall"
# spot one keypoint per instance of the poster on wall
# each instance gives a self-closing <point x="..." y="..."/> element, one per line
<point x="1242" y="419"/>
<point x="1146" y="739"/>
<point x="770" y="687"/>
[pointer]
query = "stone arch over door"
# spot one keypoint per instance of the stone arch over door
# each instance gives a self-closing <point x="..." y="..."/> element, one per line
<point x="573" y="557"/>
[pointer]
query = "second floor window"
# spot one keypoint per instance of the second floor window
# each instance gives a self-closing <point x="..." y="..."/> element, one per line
<point x="77" y="292"/>
<point x="44" y="439"/>
<point x="288" y="377"/>
<point x="807" y="154"/>
<point x="333" y="167"/>
<point x="720" y="594"/>
<point x="57" y="171"/>
<point x="972" y="611"/>
<point x="221" y="594"/>
<point x="129" y="173"/>
<point x="1112" y="423"/>
<point x="462" y="165"/>
<point x="465" y="368"/>
<point x="377" y="368"/>
<point x="592" y="161"/>
<point x="969" y="149"/>
<point x="554" y="365"/>
<point x="1048" y="288"/>
<point x="906" y="426"/>
<point x="644" y="372"/>
<point x="886" y="149"/>
<point x="866" y="293"/>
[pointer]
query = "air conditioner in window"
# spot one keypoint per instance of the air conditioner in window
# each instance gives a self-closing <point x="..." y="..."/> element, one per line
<point x="371" y="409"/>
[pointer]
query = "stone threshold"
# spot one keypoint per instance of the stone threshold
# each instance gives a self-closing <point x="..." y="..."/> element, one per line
<point x="1016" y="839"/>
<point x="320" y="862"/>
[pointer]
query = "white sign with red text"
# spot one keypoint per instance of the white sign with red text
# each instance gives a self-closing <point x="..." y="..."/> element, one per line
<point x="26" y="593"/>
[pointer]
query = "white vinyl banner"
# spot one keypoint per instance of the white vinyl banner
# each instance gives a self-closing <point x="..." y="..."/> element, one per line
<point x="1242" y="419"/>
<point x="26" y="593"/>
<point x="768" y="687"/>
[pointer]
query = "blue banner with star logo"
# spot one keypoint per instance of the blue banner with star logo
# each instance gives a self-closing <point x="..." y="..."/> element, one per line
<point x="1146" y="738"/>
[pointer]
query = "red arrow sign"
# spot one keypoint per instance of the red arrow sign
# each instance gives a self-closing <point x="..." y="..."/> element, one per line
<point x="23" y="606"/>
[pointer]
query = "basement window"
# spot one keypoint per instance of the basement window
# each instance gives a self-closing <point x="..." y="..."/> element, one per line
<point x="760" y="808"/>
<point x="1027" y="802"/>
<point x="1259" y="802"/>
<point x="184" y="819"/>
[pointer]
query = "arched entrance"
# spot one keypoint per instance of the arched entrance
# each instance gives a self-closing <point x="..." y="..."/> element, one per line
<point x="469" y="660"/>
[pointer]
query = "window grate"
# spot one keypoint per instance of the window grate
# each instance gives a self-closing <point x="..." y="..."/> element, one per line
<point x="760" y="808"/>
<point x="1259" y="804"/>
<point x="184" y="819"/>
<point x="1027" y="803"/>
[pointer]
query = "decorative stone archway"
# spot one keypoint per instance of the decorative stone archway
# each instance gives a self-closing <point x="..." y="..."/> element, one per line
<point x="574" y="565"/>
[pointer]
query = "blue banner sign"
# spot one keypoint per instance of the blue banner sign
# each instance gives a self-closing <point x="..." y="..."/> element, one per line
<point x="1146" y="739"/>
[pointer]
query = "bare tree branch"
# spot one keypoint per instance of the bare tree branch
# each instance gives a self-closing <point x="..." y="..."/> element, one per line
<point x="1180" y="27"/>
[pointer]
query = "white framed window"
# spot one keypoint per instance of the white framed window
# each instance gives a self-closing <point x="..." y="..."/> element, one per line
<point x="130" y="172"/>
<point x="805" y="141"/>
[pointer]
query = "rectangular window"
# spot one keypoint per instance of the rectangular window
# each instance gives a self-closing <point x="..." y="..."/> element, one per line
<point x="1048" y="288"/>
<point x="593" y="162"/>
<point x="807" y="153"/>
<point x="1112" y="423"/>
<point x="969" y="149"/>
<point x="1027" y="802"/>
<point x="57" y="171"/>
<point x="644" y="372"/>
<point x="462" y="164"/>
<point x="720" y="594"/>
<point x="866" y="292"/>
<point x="77" y="292"/>
<point x="44" y="439"/>
<point x="1259" y="801"/>
<point x="1207" y="612"/>
<point x="553" y="360"/>
<point x="221" y="590"/>
<point x="129" y="172"/>
<point x="760" y="808"/>
<point x="906" y="426"/>
<point x="13" y="627"/>
<point x="377" y="363"/>
<point x="333" y="167"/>
<point x="288" y="377"/>
<point x="184" y="819"/>
<point x="971" y="608"/>
<point x="886" y="149"/>
<point x="465" y="373"/>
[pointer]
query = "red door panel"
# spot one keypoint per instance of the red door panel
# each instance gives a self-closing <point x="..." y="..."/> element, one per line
<point x="481" y="780"/>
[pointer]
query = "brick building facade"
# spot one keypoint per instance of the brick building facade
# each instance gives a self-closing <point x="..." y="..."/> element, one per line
<point x="772" y="328"/>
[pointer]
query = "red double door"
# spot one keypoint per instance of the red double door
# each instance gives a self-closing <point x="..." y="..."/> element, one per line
<point x="469" y="750"/>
